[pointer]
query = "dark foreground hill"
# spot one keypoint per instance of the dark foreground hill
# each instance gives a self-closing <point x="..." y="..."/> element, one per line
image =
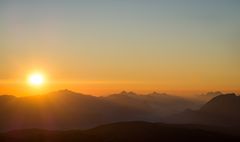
<point x="121" y="132"/>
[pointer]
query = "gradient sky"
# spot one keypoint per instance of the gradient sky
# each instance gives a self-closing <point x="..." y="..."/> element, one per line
<point x="99" y="47"/>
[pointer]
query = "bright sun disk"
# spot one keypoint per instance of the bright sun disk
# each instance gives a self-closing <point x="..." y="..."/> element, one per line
<point x="36" y="79"/>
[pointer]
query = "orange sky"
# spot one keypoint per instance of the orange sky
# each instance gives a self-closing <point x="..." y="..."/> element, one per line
<point x="101" y="48"/>
<point x="107" y="88"/>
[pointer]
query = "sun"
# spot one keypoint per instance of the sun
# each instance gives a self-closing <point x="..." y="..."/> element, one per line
<point x="36" y="79"/>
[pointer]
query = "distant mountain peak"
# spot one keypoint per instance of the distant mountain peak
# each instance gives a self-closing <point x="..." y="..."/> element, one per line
<point x="125" y="93"/>
<point x="5" y="98"/>
<point x="224" y="97"/>
<point x="157" y="94"/>
<point x="223" y="104"/>
<point x="211" y="94"/>
<point x="214" y="93"/>
<point x="65" y="91"/>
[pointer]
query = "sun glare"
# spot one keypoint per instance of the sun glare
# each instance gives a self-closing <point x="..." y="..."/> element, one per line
<point x="36" y="79"/>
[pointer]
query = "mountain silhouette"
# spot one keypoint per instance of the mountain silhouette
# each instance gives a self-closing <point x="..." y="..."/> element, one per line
<point x="121" y="132"/>
<point x="65" y="109"/>
<point x="155" y="103"/>
<point x="227" y="105"/>
<point x="222" y="110"/>
<point x="208" y="96"/>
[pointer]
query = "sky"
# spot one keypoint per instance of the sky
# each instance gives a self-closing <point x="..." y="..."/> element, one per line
<point x="100" y="47"/>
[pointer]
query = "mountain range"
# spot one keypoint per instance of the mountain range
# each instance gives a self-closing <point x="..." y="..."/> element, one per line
<point x="65" y="109"/>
